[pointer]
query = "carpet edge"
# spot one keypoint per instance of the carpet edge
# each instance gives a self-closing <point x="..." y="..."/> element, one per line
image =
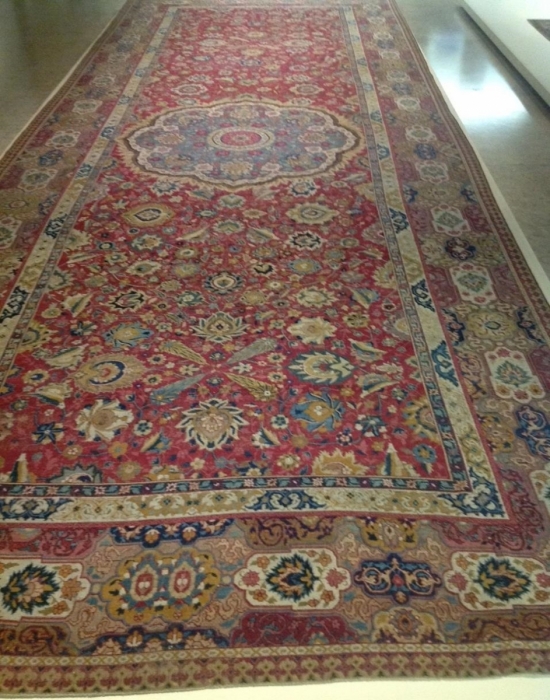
<point x="517" y="234"/>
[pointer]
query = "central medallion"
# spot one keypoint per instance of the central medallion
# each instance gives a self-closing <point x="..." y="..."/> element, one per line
<point x="237" y="138"/>
<point x="239" y="144"/>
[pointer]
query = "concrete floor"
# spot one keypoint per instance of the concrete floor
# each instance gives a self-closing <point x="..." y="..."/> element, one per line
<point x="510" y="126"/>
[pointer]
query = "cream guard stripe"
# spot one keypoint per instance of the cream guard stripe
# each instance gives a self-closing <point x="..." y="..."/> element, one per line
<point x="110" y="510"/>
<point x="456" y="403"/>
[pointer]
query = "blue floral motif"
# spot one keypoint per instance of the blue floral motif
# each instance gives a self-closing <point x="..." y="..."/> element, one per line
<point x="397" y="578"/>
<point x="304" y="266"/>
<point x="321" y="367"/>
<point x="527" y="325"/>
<point x="425" y="151"/>
<point x="54" y="226"/>
<point x="534" y="428"/>
<point x="174" y="637"/>
<point x="292" y="578"/>
<point x="47" y="432"/>
<point x="30" y="508"/>
<point x="460" y="249"/>
<point x="50" y="158"/>
<point x="14" y="304"/>
<point x="285" y="500"/>
<point x="189" y="298"/>
<point x="469" y="194"/>
<point x="402" y="88"/>
<point x="399" y="220"/>
<point x="482" y="501"/>
<point x="152" y="535"/>
<point x="501" y="580"/>
<point x="410" y="194"/>
<point x="371" y="426"/>
<point x="443" y="363"/>
<point x="127" y="335"/>
<point x="319" y="412"/>
<point x="29" y="588"/>
<point x="422" y="296"/>
<point x="424" y="454"/>
<point x="455" y="327"/>
<point x="303" y="188"/>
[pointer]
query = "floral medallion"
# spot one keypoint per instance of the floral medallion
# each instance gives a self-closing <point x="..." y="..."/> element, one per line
<point x="149" y="214"/>
<point x="170" y="588"/>
<point x="511" y="375"/>
<point x="30" y="588"/>
<point x="243" y="143"/>
<point x="487" y="581"/>
<point x="301" y="580"/>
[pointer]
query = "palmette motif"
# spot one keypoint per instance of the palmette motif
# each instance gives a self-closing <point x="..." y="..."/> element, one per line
<point x="275" y="376"/>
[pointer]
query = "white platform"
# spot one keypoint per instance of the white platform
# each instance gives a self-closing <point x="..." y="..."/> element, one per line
<point x="506" y="23"/>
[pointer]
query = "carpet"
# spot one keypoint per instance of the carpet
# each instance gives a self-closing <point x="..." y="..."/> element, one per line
<point x="542" y="26"/>
<point x="275" y="374"/>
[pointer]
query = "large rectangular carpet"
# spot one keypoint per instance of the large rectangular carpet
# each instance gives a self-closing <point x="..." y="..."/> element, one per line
<point x="275" y="403"/>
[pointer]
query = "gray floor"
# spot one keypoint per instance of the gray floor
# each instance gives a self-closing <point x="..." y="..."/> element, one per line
<point x="40" y="40"/>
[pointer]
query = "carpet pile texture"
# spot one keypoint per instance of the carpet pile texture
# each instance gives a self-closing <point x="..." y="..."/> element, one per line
<point x="275" y="375"/>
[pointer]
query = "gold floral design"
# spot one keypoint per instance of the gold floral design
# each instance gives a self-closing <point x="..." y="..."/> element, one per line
<point x="103" y="420"/>
<point x="108" y="372"/>
<point x="212" y="423"/>
<point x="220" y="327"/>
<point x="313" y="330"/>
<point x="337" y="463"/>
